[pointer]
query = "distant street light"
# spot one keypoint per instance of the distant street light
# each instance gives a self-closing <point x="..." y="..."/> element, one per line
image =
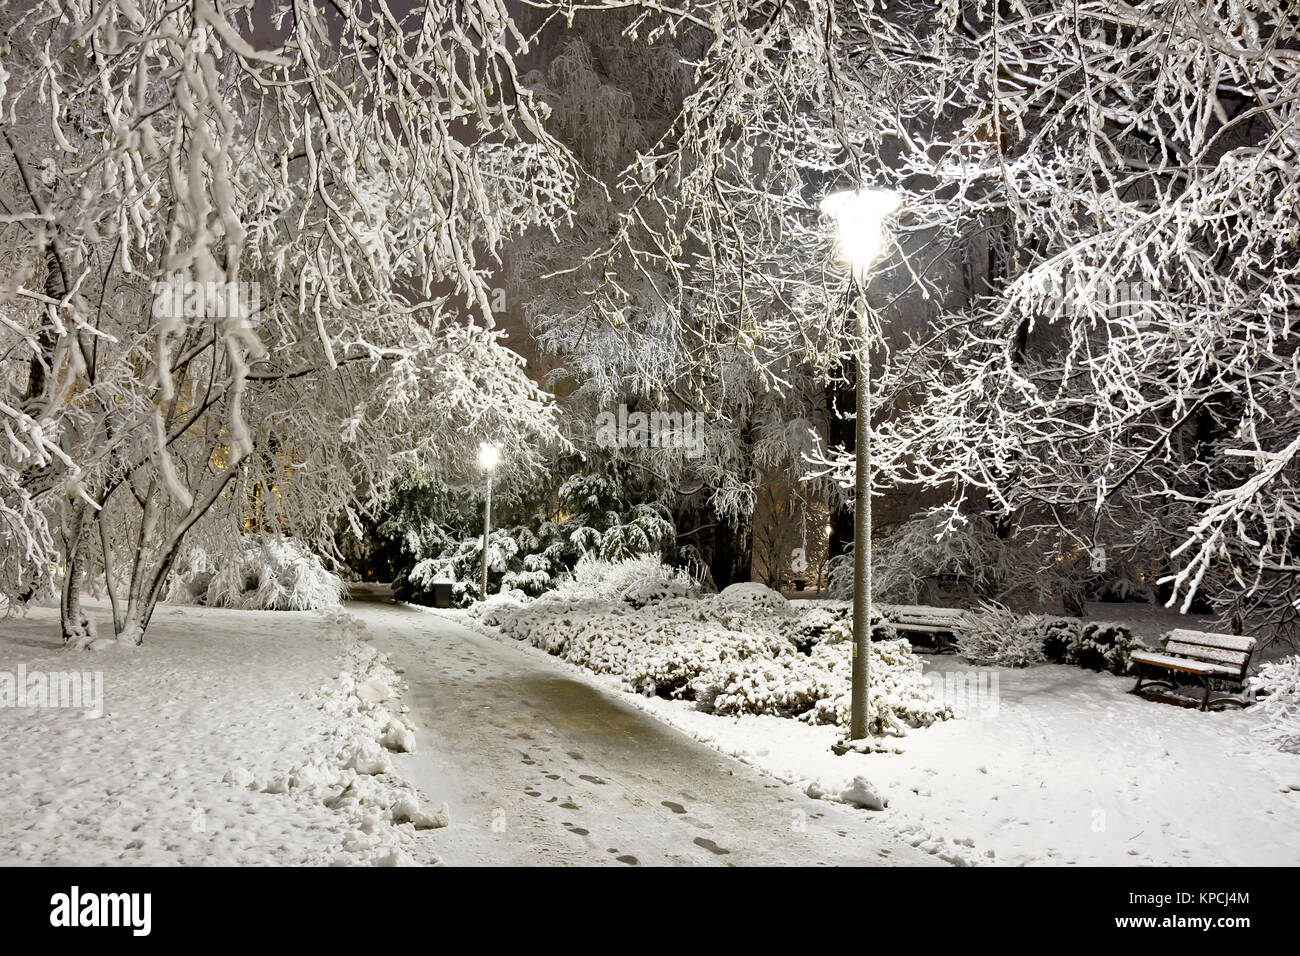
<point x="488" y="456"/>
<point x="859" y="216"/>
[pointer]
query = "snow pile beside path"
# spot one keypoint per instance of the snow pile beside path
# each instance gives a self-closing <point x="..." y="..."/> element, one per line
<point x="497" y="606"/>
<point x="738" y="652"/>
<point x="211" y="692"/>
<point x="350" y="768"/>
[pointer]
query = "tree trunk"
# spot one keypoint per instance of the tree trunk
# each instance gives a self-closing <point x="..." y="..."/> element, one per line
<point x="73" y="621"/>
<point x="733" y="551"/>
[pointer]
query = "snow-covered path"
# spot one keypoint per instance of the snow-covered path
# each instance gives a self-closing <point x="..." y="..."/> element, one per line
<point x="541" y="768"/>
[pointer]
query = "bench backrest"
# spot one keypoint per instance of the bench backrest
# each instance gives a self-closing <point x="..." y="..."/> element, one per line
<point x="1230" y="650"/>
<point x="920" y="614"/>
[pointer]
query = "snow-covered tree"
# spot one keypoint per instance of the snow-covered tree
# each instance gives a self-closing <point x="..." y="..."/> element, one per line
<point x="1088" y="322"/>
<point x="617" y="330"/>
<point x="253" y="245"/>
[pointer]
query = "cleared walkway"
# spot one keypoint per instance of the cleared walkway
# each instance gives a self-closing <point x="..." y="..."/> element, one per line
<point x="540" y="768"/>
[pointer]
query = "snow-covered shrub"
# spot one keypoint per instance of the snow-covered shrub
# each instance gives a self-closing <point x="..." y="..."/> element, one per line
<point x="1104" y="646"/>
<point x="262" y="573"/>
<point x="637" y="580"/>
<point x="898" y="696"/>
<point x="830" y="622"/>
<point x="495" y="608"/>
<point x="652" y="590"/>
<point x="728" y="658"/>
<point x="997" y="636"/>
<point x="532" y="582"/>
<point x="816" y="623"/>
<point x="1278" y="687"/>
<point x="1060" y="638"/>
<point x="912" y="556"/>
<point x="782" y="687"/>
<point x="751" y="594"/>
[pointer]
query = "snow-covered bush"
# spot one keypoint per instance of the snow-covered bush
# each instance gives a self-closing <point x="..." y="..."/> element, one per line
<point x="898" y="698"/>
<point x="1060" y="637"/>
<point x="1104" y="646"/>
<point x="751" y="594"/>
<point x="1278" y="687"/>
<point x="260" y="573"/>
<point x="495" y="607"/>
<point x="639" y="580"/>
<point x="997" y="636"/>
<point x="728" y="657"/>
<point x="910" y="558"/>
<point x="831" y="622"/>
<point x="1000" y="637"/>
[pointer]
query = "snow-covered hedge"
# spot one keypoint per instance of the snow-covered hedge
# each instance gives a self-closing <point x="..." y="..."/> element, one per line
<point x="738" y="653"/>
<point x="997" y="636"/>
<point x="492" y="610"/>
<point x="1278" y="686"/>
<point x="1000" y="637"/>
<point x="640" y="580"/>
<point x="259" y="573"/>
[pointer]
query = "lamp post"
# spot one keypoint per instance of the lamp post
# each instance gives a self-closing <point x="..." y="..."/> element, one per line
<point x="859" y="217"/>
<point x="488" y="456"/>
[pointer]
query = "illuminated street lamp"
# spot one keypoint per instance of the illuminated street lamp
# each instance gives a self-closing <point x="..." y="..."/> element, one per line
<point x="488" y="456"/>
<point x="859" y="216"/>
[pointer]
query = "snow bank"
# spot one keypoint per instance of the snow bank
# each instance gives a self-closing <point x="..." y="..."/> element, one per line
<point x="349" y="769"/>
<point x="223" y="741"/>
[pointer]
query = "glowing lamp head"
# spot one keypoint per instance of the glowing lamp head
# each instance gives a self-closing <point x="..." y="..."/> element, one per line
<point x="859" y="216"/>
<point x="488" y="456"/>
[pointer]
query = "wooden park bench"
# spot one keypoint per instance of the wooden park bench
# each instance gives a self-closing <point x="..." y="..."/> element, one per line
<point x="1200" y="654"/>
<point x="940" y="624"/>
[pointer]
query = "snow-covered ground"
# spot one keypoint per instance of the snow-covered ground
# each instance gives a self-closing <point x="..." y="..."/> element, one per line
<point x="244" y="737"/>
<point x="1046" y="765"/>
<point x="1068" y="768"/>
<point x="229" y="737"/>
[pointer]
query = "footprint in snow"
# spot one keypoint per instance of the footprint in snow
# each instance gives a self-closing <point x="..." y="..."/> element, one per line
<point x="710" y="846"/>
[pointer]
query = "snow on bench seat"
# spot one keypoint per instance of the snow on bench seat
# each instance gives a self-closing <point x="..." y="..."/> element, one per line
<point x="1182" y="664"/>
